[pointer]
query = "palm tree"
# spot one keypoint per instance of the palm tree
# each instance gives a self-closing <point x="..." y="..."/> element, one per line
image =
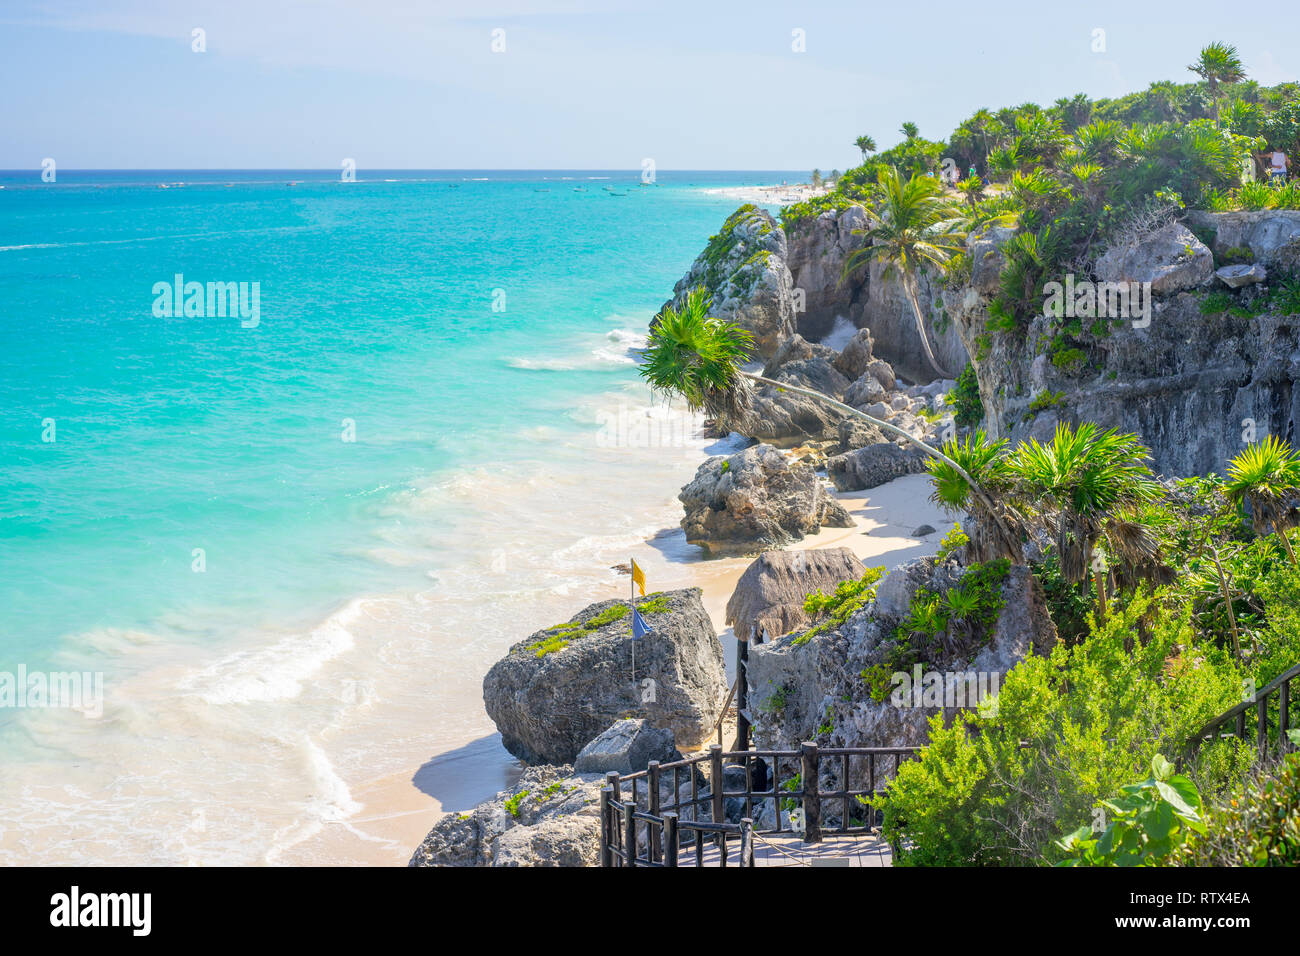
<point x="1086" y="487"/>
<point x="699" y="358"/>
<point x="1218" y="63"/>
<point x="817" y="178"/>
<point x="911" y="226"/>
<point x="1267" y="475"/>
<point x="866" y="144"/>
<point x="996" y="523"/>
<point x="910" y="130"/>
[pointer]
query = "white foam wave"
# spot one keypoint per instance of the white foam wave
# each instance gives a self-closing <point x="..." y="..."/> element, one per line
<point x="275" y="672"/>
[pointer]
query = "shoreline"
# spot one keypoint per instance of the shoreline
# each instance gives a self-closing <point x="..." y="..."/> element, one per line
<point x="782" y="195"/>
<point x="395" y="813"/>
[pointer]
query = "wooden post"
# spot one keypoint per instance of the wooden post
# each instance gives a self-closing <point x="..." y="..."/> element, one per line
<point x="1241" y="725"/>
<point x="747" y="842"/>
<point x="1283" y="718"/>
<point x="652" y="802"/>
<point x="612" y="781"/>
<point x="670" y="838"/>
<point x="629" y="834"/>
<point x="812" y="805"/>
<point x="715" y="781"/>
<point x="606" y="857"/>
<point x="1261" y="725"/>
<point x="742" y="694"/>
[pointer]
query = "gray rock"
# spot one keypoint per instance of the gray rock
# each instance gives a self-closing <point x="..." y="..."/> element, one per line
<point x="1241" y="275"/>
<point x="873" y="465"/>
<point x="856" y="356"/>
<point x="744" y="273"/>
<point x="866" y="390"/>
<point x="883" y="372"/>
<point x="855" y="433"/>
<point x="626" y="747"/>
<point x="815" y="691"/>
<point x="755" y="500"/>
<point x="922" y="531"/>
<point x="1272" y="235"/>
<point x="550" y="817"/>
<point x="985" y="253"/>
<point x="1172" y="260"/>
<point x="549" y="707"/>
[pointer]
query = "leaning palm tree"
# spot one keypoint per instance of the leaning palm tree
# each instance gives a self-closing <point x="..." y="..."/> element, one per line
<point x="910" y="130"/>
<point x="1218" y="64"/>
<point x="866" y="144"/>
<point x="997" y="523"/>
<point x="911" y="225"/>
<point x="700" y="358"/>
<point x="1267" y="475"/>
<point x="1087" y="486"/>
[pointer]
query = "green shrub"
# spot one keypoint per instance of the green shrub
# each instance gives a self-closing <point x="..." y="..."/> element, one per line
<point x="1147" y="823"/>
<point x="1216" y="302"/>
<point x="836" y="608"/>
<point x="1258" y="824"/>
<point x="968" y="409"/>
<point x="952" y="541"/>
<point x="1092" y="717"/>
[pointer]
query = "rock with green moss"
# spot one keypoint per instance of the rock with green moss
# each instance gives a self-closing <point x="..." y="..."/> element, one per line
<point x="561" y="687"/>
<point x="743" y="271"/>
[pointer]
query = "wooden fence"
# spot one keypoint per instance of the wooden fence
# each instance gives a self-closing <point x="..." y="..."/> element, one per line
<point x="1280" y="687"/>
<point x="640" y="828"/>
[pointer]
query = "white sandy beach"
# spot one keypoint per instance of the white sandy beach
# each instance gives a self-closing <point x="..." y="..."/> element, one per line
<point x="778" y="195"/>
<point x="396" y="813"/>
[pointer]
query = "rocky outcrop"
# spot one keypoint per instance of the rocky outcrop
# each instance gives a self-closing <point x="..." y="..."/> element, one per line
<point x="814" y="689"/>
<point x="743" y="271"/>
<point x="626" y="747"/>
<point x="755" y="500"/>
<point x="1171" y="259"/>
<point x="1194" y="385"/>
<point x="869" y="296"/>
<point x="551" y="817"/>
<point x="1271" y="235"/>
<point x="769" y="596"/>
<point x="562" y="686"/>
<point x="874" y="465"/>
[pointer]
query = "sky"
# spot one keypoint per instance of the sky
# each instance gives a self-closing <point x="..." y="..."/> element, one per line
<point x="565" y="84"/>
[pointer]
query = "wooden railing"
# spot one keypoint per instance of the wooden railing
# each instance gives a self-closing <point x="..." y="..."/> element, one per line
<point x="1259" y="703"/>
<point x="644" y="830"/>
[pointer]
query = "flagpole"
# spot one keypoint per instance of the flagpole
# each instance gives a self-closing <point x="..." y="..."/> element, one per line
<point x="632" y="598"/>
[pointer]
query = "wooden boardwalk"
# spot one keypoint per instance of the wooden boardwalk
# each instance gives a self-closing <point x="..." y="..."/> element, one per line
<point x="789" y="850"/>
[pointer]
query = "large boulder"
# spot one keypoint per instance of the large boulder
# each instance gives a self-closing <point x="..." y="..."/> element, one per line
<point x="755" y="500"/>
<point x="1171" y="259"/>
<point x="744" y="274"/>
<point x="813" y="688"/>
<point x="626" y="747"/>
<point x="819" y="248"/>
<point x="770" y="594"/>
<point x="866" y="390"/>
<point x="857" y="355"/>
<point x="984" y="250"/>
<point x="874" y="465"/>
<point x="561" y="687"/>
<point x="811" y="366"/>
<point x="550" y="817"/>
<point x="1272" y="235"/>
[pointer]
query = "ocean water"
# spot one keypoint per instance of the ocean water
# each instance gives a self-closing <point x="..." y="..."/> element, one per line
<point x="293" y="540"/>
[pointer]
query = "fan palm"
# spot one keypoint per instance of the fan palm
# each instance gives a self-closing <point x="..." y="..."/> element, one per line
<point x="699" y="358"/>
<point x="1086" y="487"/>
<point x="996" y="521"/>
<point x="1218" y="64"/>
<point x="911" y="225"/>
<point x="1267" y="475"/>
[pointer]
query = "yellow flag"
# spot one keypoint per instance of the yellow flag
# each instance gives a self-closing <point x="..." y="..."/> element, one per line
<point x="639" y="577"/>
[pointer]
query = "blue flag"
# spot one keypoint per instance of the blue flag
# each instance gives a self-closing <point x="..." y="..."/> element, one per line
<point x="639" y="627"/>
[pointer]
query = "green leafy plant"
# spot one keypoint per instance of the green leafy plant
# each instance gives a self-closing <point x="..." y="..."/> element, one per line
<point x="1148" y="822"/>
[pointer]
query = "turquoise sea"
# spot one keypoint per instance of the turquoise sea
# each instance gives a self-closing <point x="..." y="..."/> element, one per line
<point x="293" y="545"/>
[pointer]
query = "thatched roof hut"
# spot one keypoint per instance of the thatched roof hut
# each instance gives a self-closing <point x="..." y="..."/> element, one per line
<point x="769" y="595"/>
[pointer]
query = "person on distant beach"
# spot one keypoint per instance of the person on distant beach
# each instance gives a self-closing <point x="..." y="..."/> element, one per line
<point x="971" y="174"/>
<point x="1278" y="165"/>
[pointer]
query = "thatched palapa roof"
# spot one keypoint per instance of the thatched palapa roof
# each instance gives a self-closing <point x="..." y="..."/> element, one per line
<point x="770" y="594"/>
